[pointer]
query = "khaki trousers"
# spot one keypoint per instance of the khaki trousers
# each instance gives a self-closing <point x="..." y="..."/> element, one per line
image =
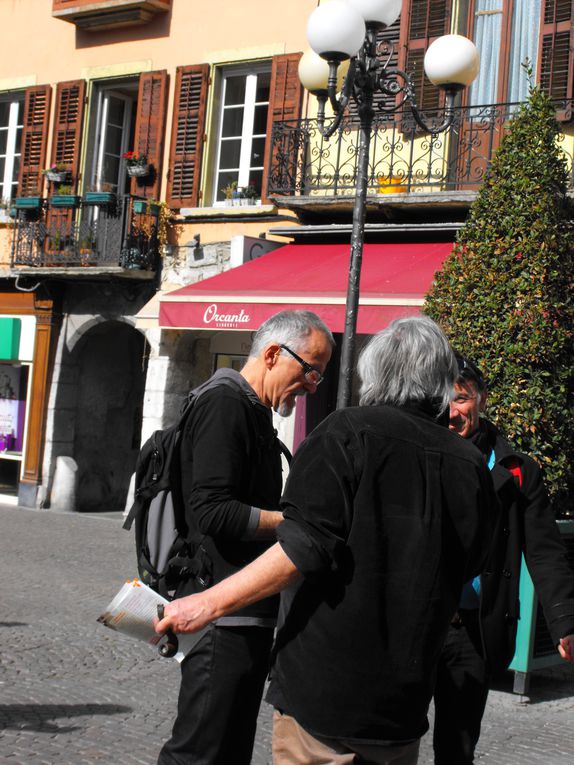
<point x="292" y="745"/>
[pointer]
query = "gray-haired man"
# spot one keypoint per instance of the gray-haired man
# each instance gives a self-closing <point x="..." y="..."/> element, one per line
<point x="231" y="484"/>
<point x="386" y="515"/>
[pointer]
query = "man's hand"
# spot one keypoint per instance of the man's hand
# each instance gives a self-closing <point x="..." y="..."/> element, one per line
<point x="265" y="576"/>
<point x="187" y="614"/>
<point x="566" y="648"/>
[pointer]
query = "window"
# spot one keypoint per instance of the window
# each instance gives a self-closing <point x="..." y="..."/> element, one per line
<point x="114" y="136"/>
<point x="242" y="130"/>
<point x="11" y="112"/>
<point x="506" y="34"/>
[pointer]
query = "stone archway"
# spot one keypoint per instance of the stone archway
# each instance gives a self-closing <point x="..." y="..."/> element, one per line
<point x="110" y="360"/>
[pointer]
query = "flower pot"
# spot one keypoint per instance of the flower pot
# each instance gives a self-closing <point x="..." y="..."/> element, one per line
<point x="391" y="184"/>
<point x="138" y="171"/>
<point x="140" y="206"/>
<point x="100" y="198"/>
<point x="56" y="176"/>
<point x="27" y="203"/>
<point x="64" y="200"/>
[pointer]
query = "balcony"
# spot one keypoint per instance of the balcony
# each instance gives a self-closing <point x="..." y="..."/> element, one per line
<point x="407" y="167"/>
<point x="99" y="237"/>
<point x="94" y="15"/>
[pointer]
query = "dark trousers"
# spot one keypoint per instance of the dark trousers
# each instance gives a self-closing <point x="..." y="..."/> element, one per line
<point x="221" y="687"/>
<point x="460" y="693"/>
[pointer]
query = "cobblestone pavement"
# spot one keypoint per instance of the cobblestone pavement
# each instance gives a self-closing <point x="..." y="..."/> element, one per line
<point x="74" y="693"/>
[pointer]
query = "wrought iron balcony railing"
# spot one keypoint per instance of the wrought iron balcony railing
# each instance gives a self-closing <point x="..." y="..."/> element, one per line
<point x="100" y="231"/>
<point x="402" y="157"/>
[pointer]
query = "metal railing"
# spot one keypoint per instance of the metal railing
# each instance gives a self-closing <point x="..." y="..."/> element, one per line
<point x="113" y="232"/>
<point x="402" y="157"/>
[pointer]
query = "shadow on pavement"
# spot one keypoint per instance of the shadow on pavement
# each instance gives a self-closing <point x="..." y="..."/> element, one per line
<point x="39" y="717"/>
<point x="13" y="624"/>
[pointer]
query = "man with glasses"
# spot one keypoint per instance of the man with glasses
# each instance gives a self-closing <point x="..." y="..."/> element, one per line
<point x="482" y="635"/>
<point x="231" y="484"/>
<point x="386" y="515"/>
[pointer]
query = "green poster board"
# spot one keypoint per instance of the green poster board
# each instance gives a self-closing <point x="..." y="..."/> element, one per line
<point x="9" y="337"/>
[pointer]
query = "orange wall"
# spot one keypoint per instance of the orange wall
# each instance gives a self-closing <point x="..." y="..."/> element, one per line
<point x="33" y="43"/>
<point x="38" y="49"/>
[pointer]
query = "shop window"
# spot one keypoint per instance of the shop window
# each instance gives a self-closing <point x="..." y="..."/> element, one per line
<point x="241" y="131"/>
<point x="228" y="361"/>
<point x="11" y="112"/>
<point x="14" y="379"/>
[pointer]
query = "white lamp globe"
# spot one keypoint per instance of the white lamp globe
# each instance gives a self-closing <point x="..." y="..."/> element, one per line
<point x="335" y="30"/>
<point x="452" y="60"/>
<point x="378" y="11"/>
<point x="314" y="72"/>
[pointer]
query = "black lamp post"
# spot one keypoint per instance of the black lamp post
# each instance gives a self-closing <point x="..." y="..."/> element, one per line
<point x="347" y="29"/>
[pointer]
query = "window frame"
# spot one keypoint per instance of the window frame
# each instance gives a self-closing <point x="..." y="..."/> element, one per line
<point x="9" y="181"/>
<point x="104" y="92"/>
<point x="505" y="46"/>
<point x="251" y="71"/>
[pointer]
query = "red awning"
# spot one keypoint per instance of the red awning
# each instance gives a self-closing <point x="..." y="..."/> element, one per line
<point x="394" y="279"/>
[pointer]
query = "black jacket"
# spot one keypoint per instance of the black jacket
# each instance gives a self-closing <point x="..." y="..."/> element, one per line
<point x="230" y="462"/>
<point x="526" y="524"/>
<point x="386" y="515"/>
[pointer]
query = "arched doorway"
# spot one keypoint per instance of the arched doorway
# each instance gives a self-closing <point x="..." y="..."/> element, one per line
<point x="111" y="361"/>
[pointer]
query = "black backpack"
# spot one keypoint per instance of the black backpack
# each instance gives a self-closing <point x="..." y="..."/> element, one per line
<point x="168" y="550"/>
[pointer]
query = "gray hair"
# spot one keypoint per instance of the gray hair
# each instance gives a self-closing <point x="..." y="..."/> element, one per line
<point x="289" y="328"/>
<point x="410" y="360"/>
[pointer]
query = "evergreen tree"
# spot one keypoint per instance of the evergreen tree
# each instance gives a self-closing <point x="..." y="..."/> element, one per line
<point x="505" y="296"/>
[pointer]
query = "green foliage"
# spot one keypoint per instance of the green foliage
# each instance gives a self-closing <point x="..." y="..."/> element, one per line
<point x="505" y="297"/>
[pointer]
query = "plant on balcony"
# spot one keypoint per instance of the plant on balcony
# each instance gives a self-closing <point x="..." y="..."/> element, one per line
<point x="28" y="203"/>
<point x="505" y="296"/>
<point x="101" y="194"/>
<point x="146" y="207"/>
<point x="249" y="194"/>
<point x="56" y="173"/>
<point x="137" y="165"/>
<point x="64" y="197"/>
<point x="230" y="193"/>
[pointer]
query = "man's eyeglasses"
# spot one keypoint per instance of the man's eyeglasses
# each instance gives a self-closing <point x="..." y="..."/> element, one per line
<point x="312" y="375"/>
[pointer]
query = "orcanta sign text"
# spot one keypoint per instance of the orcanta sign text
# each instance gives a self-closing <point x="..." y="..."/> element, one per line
<point x="229" y="320"/>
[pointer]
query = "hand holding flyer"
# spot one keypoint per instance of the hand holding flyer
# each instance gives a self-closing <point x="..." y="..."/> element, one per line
<point x="132" y="613"/>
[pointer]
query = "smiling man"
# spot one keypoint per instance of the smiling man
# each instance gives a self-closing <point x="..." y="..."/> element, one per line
<point x="481" y="638"/>
<point x="231" y="484"/>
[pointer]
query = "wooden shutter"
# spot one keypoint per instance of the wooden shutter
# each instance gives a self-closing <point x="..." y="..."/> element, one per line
<point x="68" y="123"/>
<point x="150" y="131"/>
<point x="187" y="135"/>
<point x="285" y="98"/>
<point x="66" y="144"/>
<point x="422" y="21"/>
<point x="555" y="58"/>
<point x="34" y="139"/>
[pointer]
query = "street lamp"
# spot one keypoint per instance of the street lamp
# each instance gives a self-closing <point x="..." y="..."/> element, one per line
<point x="347" y="29"/>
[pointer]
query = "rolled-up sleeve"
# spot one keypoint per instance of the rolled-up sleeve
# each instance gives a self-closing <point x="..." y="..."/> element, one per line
<point x="318" y="501"/>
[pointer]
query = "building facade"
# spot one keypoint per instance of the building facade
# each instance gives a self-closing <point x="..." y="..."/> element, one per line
<point x="149" y="145"/>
